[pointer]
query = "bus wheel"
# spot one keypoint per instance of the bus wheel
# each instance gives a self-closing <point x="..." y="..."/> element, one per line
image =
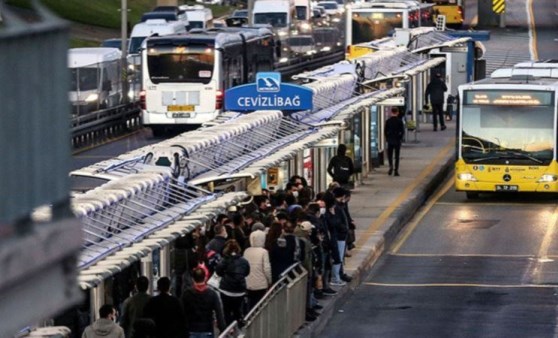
<point x="472" y="195"/>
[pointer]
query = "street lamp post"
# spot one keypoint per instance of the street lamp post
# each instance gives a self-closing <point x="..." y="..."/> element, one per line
<point x="124" y="45"/>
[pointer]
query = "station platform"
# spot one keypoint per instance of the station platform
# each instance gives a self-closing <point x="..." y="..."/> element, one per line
<point x="382" y="204"/>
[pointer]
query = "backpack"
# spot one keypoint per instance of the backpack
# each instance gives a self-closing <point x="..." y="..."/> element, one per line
<point x="342" y="169"/>
<point x="213" y="258"/>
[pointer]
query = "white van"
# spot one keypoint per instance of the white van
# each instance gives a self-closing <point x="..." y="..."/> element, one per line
<point x="280" y="14"/>
<point x="95" y="78"/>
<point x="150" y="28"/>
<point x="198" y="16"/>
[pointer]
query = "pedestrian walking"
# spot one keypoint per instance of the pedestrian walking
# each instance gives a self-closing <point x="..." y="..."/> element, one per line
<point x="259" y="279"/>
<point x="341" y="167"/>
<point x="201" y="306"/>
<point x="134" y="305"/>
<point x="105" y="326"/>
<point x="166" y="311"/>
<point x="394" y="131"/>
<point x="233" y="270"/>
<point x="435" y="92"/>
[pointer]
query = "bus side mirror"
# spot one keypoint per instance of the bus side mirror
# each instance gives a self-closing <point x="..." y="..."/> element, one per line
<point x="107" y="86"/>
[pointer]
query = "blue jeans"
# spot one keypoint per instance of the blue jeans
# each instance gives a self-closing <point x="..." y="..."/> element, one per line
<point x="337" y="267"/>
<point x="201" y="334"/>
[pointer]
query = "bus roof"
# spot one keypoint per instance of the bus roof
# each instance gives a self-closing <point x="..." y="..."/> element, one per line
<point x="524" y="73"/>
<point x="386" y="5"/>
<point x="219" y="37"/>
<point x="83" y="57"/>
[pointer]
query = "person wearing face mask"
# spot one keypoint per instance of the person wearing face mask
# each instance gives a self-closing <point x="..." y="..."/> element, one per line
<point x="105" y="326"/>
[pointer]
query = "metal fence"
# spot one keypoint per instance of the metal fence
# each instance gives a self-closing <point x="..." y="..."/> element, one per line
<point x="280" y="313"/>
<point x="37" y="259"/>
<point x="34" y="109"/>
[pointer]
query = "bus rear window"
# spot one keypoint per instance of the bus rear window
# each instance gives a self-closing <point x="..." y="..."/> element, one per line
<point x="368" y="26"/>
<point x="180" y="63"/>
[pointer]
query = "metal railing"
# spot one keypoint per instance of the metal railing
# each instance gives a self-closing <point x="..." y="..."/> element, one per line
<point x="280" y="312"/>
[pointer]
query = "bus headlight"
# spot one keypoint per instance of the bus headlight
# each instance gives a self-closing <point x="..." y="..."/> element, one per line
<point x="548" y="178"/>
<point x="466" y="177"/>
<point x="92" y="97"/>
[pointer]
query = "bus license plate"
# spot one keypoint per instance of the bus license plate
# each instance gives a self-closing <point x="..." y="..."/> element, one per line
<point x="507" y="188"/>
<point x="180" y="115"/>
<point x="189" y="107"/>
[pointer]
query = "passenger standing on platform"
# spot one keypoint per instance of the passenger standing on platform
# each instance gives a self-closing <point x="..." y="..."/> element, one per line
<point x="166" y="311"/>
<point x="259" y="279"/>
<point x="233" y="270"/>
<point x="338" y="229"/>
<point x="435" y="91"/>
<point x="133" y="306"/>
<point x="105" y="326"/>
<point x="394" y="131"/>
<point x="341" y="167"/>
<point x="201" y="305"/>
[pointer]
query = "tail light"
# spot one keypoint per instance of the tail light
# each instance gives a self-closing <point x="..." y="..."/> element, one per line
<point x="142" y="100"/>
<point x="219" y="100"/>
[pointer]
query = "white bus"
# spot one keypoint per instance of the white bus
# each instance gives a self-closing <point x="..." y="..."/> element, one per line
<point x="184" y="77"/>
<point x="368" y="21"/>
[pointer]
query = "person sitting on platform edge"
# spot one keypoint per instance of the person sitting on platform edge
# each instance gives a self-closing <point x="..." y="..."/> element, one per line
<point x="435" y="91"/>
<point x="341" y="167"/>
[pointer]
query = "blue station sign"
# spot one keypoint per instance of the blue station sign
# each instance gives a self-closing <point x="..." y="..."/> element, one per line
<point x="268" y="93"/>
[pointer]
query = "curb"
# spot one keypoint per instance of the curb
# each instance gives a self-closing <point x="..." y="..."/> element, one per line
<point x="378" y="244"/>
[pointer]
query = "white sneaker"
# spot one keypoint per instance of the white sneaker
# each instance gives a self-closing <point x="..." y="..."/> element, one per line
<point x="337" y="283"/>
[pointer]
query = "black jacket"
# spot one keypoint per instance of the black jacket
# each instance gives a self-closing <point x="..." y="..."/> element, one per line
<point x="394" y="130"/>
<point x="435" y="89"/>
<point x="168" y="315"/>
<point x="340" y="168"/>
<point x="284" y="253"/>
<point x="199" y="307"/>
<point x="233" y="270"/>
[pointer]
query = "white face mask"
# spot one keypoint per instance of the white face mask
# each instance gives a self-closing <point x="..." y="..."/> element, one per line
<point x="295" y="194"/>
<point x="322" y="211"/>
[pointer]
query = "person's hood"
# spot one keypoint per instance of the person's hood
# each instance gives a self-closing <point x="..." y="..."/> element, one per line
<point x="300" y="233"/>
<point x="257" y="239"/>
<point x="104" y="327"/>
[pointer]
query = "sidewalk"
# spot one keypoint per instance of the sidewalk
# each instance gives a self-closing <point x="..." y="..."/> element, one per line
<point x="383" y="204"/>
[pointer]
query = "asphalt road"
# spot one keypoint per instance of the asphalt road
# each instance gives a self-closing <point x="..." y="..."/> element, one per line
<point x="463" y="269"/>
<point x="487" y="268"/>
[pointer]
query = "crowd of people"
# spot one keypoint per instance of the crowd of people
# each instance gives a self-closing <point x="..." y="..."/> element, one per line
<point x="228" y="267"/>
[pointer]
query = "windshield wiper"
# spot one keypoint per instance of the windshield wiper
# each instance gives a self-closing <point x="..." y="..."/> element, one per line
<point x="508" y="155"/>
<point x="524" y="155"/>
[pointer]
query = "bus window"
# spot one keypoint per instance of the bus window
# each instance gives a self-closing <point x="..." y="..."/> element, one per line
<point x="276" y="20"/>
<point x="375" y="25"/>
<point x="192" y="63"/>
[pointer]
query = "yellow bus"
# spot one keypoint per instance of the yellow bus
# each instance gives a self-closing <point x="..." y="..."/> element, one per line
<point x="368" y="21"/>
<point x="451" y="9"/>
<point x="507" y="131"/>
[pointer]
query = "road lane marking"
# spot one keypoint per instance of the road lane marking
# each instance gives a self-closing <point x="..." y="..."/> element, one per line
<point x="504" y="204"/>
<point x="375" y="225"/>
<point x="409" y="228"/>
<point x="472" y="285"/>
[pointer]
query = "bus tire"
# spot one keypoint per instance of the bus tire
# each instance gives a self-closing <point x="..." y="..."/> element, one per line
<point x="472" y="195"/>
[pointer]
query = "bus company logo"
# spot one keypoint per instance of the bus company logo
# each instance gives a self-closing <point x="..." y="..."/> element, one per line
<point x="269" y="82"/>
